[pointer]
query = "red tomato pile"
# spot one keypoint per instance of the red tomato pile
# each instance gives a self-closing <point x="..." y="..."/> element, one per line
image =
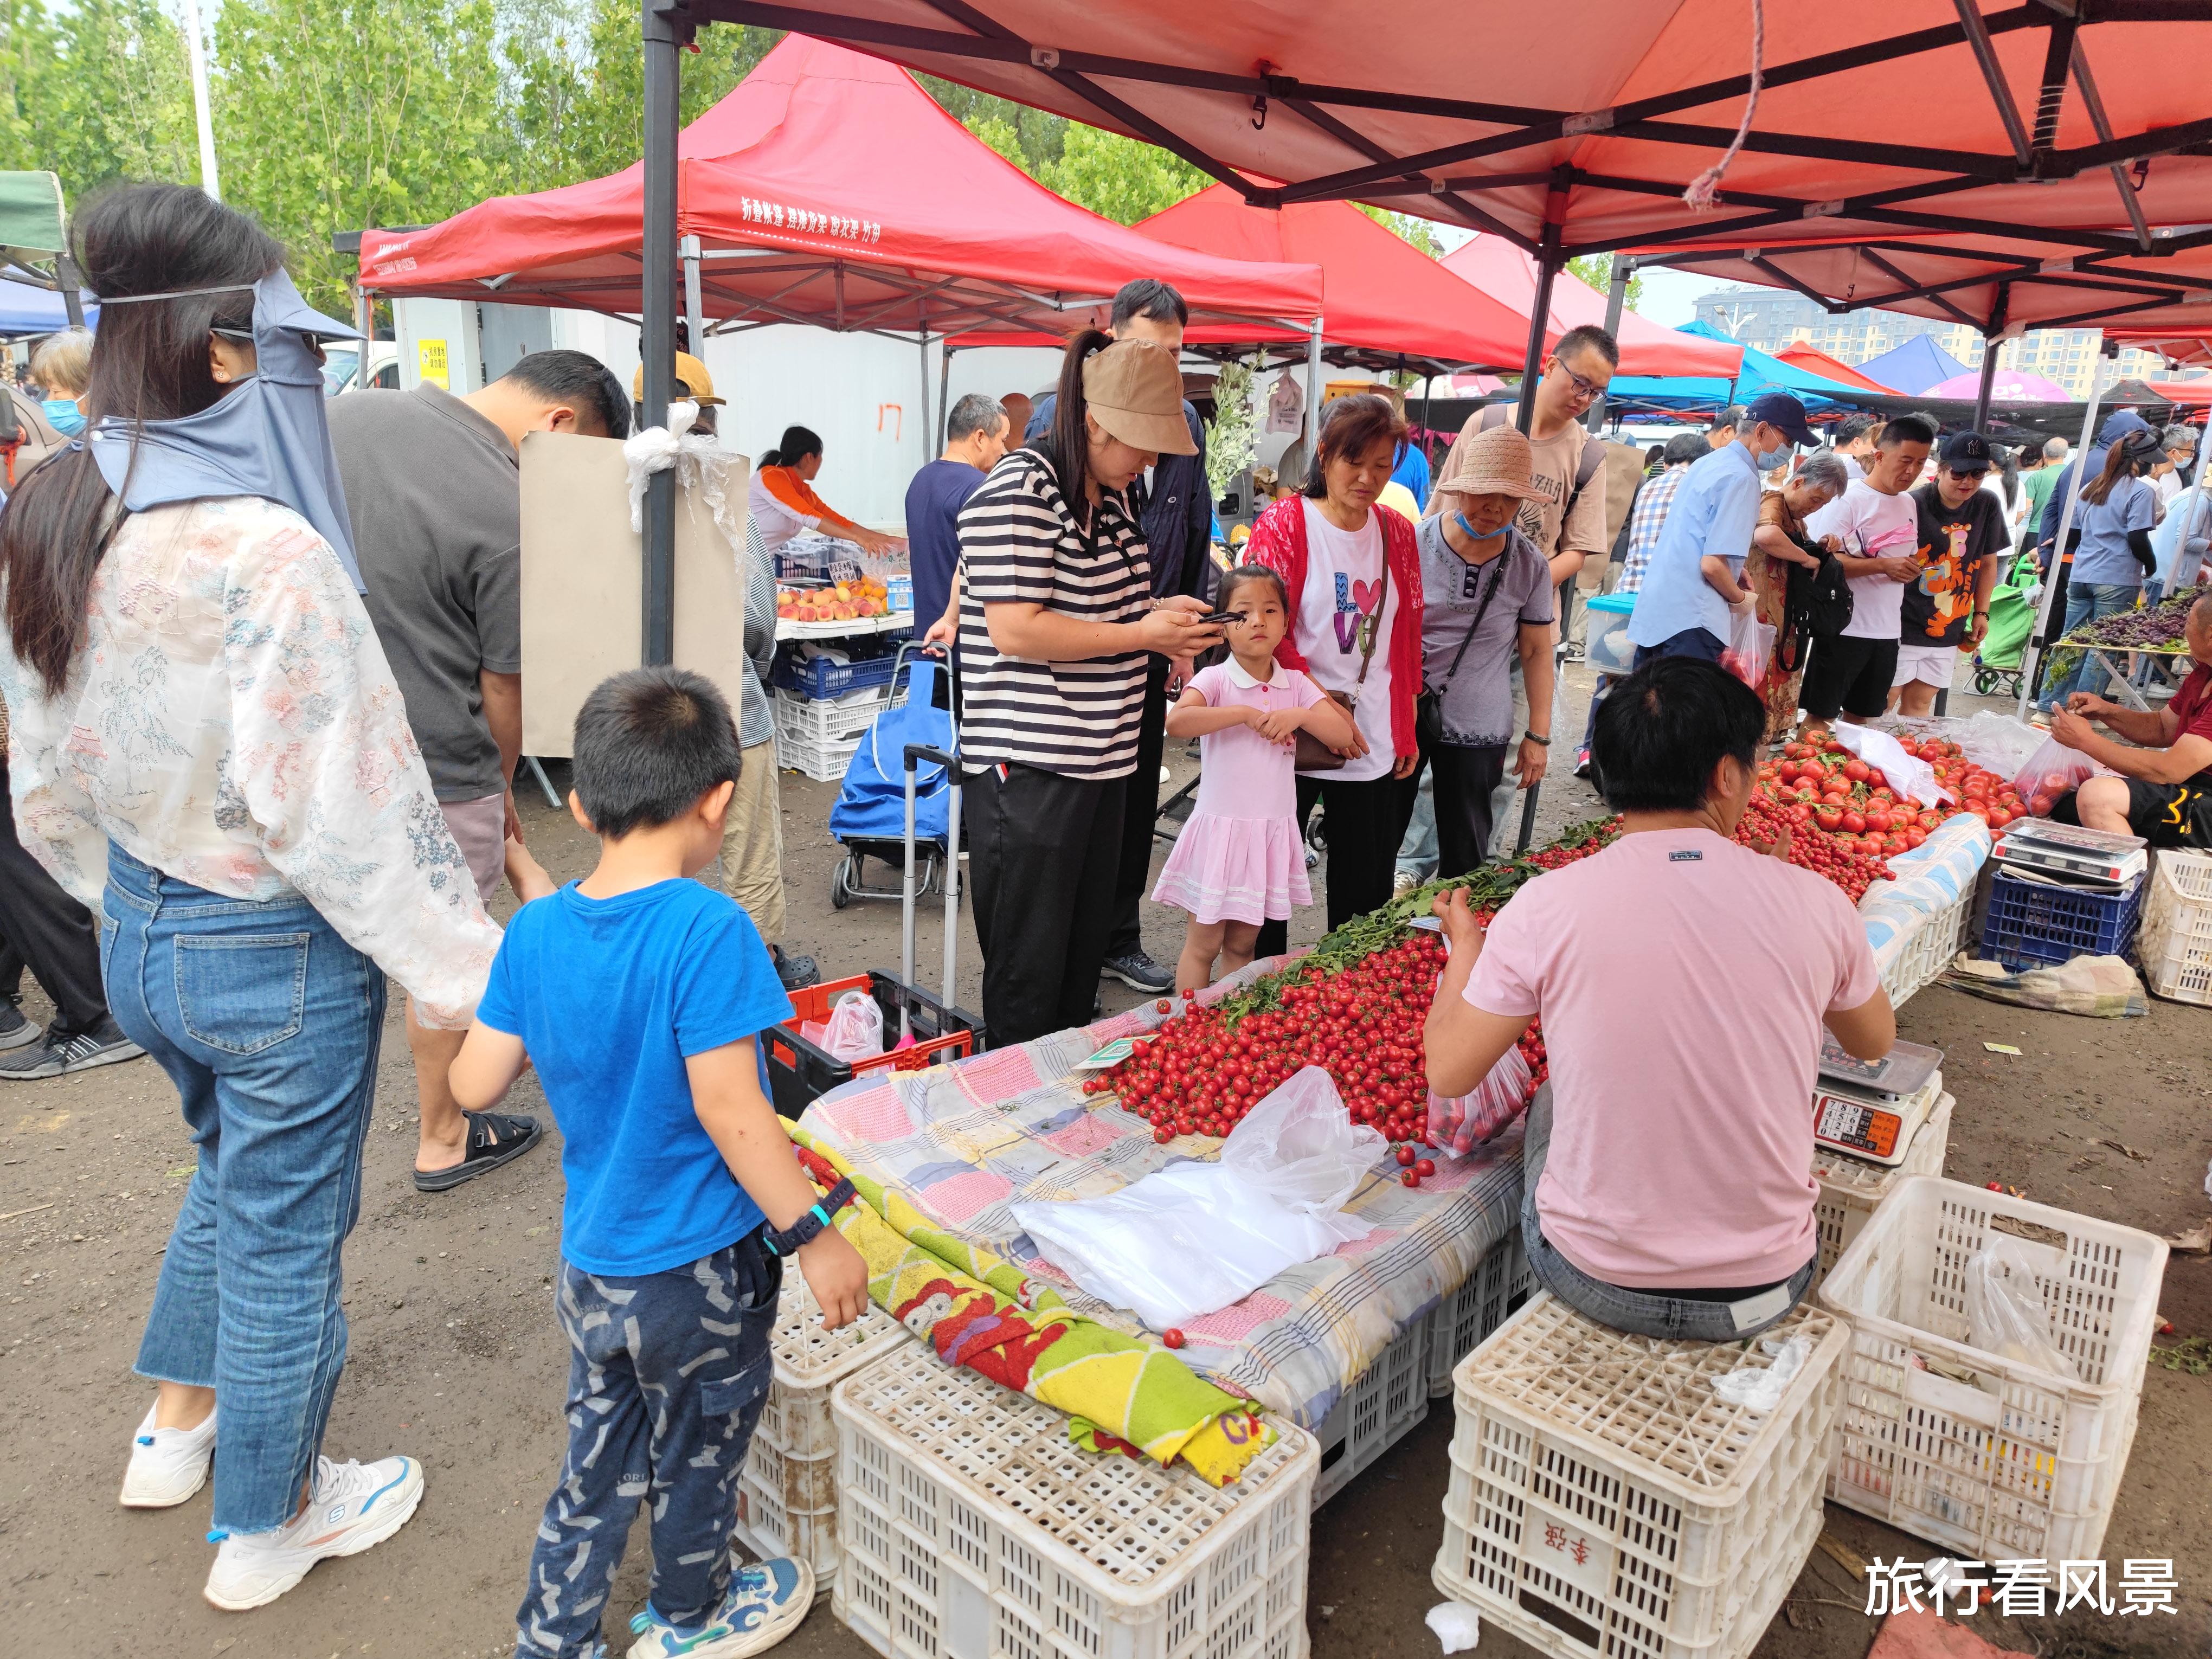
<point x="1354" y="1005"/>
<point x="1982" y="792"/>
<point x="1836" y="857"/>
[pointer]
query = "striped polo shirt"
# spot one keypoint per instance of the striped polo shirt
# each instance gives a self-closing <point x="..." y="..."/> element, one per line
<point x="1020" y="544"/>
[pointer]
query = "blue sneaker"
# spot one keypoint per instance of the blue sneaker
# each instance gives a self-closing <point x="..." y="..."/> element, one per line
<point x="765" y="1604"/>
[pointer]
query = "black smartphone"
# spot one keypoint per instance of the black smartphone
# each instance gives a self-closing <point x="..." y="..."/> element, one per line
<point x="1223" y="616"/>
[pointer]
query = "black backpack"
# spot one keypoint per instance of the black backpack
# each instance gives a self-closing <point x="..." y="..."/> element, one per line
<point x="1817" y="604"/>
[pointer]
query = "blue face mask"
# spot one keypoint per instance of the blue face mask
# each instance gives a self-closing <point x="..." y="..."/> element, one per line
<point x="64" y="415"/>
<point x="267" y="436"/>
<point x="1772" y="459"/>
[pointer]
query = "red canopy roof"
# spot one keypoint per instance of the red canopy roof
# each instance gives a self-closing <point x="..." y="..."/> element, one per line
<point x="2006" y="135"/>
<point x="830" y="188"/>
<point x="1380" y="295"/>
<point x="1828" y="368"/>
<point x="1498" y="268"/>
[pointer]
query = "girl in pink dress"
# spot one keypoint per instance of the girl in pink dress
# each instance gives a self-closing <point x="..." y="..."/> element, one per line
<point x="1238" y="861"/>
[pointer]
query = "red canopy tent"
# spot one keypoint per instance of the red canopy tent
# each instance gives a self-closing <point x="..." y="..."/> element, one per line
<point x="1384" y="299"/>
<point x="828" y="188"/>
<point x="1820" y="363"/>
<point x="1508" y="274"/>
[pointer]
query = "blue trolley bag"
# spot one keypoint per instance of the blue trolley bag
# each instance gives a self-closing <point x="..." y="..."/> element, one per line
<point x="872" y="804"/>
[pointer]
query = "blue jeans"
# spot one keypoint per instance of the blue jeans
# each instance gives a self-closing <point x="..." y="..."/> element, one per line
<point x="268" y="1022"/>
<point x="1641" y="1313"/>
<point x="667" y="1374"/>
<point x="1417" y="853"/>
<point x="2085" y="602"/>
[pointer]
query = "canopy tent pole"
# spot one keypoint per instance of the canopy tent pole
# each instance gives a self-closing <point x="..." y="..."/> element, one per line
<point x="2038" y="642"/>
<point x="1616" y="301"/>
<point x="1990" y="343"/>
<point x="667" y="29"/>
<point x="1539" y="312"/>
<point x="69" y="279"/>
<point x="1313" y="392"/>
<point x="922" y="426"/>
<point x="944" y="400"/>
<point x="695" y="319"/>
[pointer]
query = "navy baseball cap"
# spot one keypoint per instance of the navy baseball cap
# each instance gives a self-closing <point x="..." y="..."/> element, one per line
<point x="1965" y="452"/>
<point x="1784" y="413"/>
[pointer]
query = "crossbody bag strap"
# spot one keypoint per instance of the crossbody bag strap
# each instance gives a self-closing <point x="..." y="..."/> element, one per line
<point x="1490" y="593"/>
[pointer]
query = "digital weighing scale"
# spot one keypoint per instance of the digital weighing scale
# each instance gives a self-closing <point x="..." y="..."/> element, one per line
<point x="2071" y="853"/>
<point x="1872" y="1109"/>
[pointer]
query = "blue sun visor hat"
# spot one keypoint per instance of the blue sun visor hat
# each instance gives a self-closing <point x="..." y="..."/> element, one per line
<point x="267" y="436"/>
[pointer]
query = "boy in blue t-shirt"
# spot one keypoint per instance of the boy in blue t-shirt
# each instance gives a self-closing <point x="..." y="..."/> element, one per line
<point x="639" y="996"/>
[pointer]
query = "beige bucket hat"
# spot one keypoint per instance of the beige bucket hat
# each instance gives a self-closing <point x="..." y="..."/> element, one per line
<point x="1496" y="461"/>
<point x="1135" y="389"/>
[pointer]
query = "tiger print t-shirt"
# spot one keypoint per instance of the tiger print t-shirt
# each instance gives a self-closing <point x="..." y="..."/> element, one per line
<point x="1020" y="544"/>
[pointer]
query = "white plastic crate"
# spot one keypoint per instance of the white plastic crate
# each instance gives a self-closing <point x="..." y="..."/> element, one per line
<point x="1604" y="1500"/>
<point x="2176" y="945"/>
<point x="2017" y="1462"/>
<point x="828" y="720"/>
<point x="1929" y="949"/>
<point x="1851" y="1189"/>
<point x="1382" y="1404"/>
<point x="824" y="762"/>
<point x="970" y="1527"/>
<point x="1460" y="1323"/>
<point x="787" y="1489"/>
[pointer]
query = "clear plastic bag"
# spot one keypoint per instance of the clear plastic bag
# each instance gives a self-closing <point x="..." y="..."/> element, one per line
<point x="1196" y="1237"/>
<point x="2006" y="1314"/>
<point x="1301" y="1147"/>
<point x="1458" y="1124"/>
<point x="2050" y="773"/>
<point x="1750" y="647"/>
<point x="855" y="1028"/>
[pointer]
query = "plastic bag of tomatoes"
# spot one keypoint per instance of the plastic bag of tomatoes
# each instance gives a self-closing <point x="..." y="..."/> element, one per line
<point x="1460" y="1124"/>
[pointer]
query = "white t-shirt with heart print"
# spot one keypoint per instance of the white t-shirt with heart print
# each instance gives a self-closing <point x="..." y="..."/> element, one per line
<point x="1343" y="581"/>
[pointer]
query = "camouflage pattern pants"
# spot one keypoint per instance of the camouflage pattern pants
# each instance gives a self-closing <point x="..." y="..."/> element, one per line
<point x="667" y="1376"/>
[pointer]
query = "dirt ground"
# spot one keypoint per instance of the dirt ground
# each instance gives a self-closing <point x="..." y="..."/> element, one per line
<point x="456" y="1359"/>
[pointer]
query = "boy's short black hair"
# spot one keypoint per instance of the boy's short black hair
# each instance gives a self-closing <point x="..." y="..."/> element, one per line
<point x="1661" y="731"/>
<point x="1915" y="429"/>
<point x="649" y="743"/>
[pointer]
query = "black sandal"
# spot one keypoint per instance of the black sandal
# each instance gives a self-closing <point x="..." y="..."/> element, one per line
<point x="494" y="1138"/>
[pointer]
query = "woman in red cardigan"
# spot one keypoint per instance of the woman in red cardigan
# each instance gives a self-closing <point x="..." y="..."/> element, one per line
<point x="1354" y="576"/>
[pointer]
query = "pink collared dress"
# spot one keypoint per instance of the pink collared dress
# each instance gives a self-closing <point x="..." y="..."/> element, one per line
<point x="1239" y="858"/>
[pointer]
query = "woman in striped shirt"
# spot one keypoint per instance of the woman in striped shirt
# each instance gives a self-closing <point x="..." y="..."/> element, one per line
<point x="1056" y="616"/>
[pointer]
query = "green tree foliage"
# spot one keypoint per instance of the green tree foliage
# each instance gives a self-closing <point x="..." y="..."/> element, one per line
<point x="96" y="91"/>
<point x="1596" y="270"/>
<point x="1232" y="439"/>
<point x="1419" y="232"/>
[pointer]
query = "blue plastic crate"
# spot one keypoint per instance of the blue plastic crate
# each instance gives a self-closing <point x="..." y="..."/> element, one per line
<point x="818" y="677"/>
<point x="2032" y="923"/>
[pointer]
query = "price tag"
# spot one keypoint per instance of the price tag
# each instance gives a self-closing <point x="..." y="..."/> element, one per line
<point x="1111" y="1055"/>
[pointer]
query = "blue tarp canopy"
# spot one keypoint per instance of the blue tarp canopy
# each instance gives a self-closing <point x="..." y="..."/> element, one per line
<point x="1760" y="373"/>
<point x="1914" y="367"/>
<point x="28" y="310"/>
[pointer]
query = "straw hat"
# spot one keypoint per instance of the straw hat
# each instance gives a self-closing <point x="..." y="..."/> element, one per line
<point x="1134" y="387"/>
<point x="1496" y="461"/>
<point x="691" y="377"/>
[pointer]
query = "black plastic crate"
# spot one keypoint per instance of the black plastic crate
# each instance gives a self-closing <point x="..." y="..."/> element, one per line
<point x="2034" y="924"/>
<point x="800" y="1071"/>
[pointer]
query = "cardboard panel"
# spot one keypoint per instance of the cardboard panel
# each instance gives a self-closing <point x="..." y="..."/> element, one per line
<point x="583" y="584"/>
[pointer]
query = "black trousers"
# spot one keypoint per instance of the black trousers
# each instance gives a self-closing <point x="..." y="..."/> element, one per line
<point x="1140" y="808"/>
<point x="1042" y="853"/>
<point x="43" y="928"/>
<point x="1464" y="779"/>
<point x="1366" y="821"/>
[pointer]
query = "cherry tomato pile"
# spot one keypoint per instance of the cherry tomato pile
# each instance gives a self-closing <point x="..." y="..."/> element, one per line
<point x="1354" y="1005"/>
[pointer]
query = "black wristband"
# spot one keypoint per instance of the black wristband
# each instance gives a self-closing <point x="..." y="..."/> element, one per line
<point x="810" y="1226"/>
<point x="1530" y="737"/>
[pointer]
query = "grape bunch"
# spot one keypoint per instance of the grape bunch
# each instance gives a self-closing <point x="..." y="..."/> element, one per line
<point x="2152" y="628"/>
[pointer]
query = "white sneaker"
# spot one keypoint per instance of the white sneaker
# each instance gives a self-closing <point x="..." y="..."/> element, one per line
<point x="355" y="1507"/>
<point x="167" y="1466"/>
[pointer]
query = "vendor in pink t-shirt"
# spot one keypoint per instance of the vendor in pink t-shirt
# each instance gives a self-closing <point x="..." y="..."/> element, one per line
<point x="1683" y="981"/>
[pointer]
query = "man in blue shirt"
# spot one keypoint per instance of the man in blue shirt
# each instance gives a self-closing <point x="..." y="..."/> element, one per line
<point x="1176" y="507"/>
<point x="974" y="439"/>
<point x="1412" y="468"/>
<point x="1695" y="577"/>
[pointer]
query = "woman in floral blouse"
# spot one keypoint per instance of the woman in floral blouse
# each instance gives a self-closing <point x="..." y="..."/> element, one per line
<point x="209" y="751"/>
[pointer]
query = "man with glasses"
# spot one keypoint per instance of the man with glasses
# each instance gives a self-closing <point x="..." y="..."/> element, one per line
<point x="1567" y="522"/>
<point x="1962" y="530"/>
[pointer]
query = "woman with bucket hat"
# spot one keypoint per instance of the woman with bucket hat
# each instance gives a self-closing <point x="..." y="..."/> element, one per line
<point x="1486" y="599"/>
<point x="1056" y="616"/>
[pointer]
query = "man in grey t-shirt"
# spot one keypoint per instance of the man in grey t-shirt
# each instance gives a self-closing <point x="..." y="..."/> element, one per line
<point x="434" y="490"/>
